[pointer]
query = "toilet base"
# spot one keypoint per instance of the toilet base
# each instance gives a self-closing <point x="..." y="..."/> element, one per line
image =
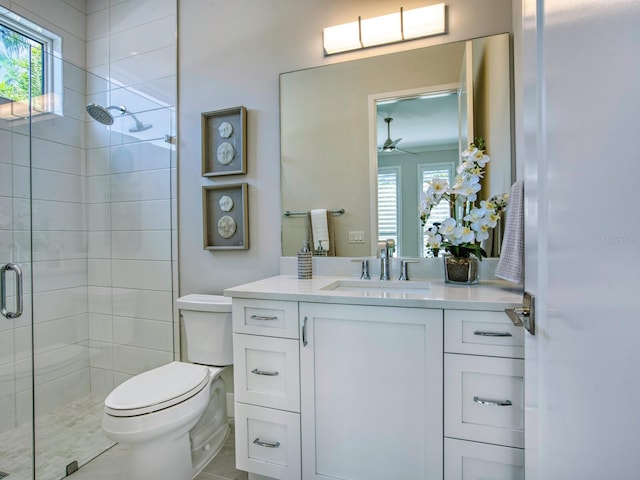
<point x="202" y="456"/>
<point x="169" y="459"/>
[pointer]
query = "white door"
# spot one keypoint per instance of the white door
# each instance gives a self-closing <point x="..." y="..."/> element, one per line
<point x="580" y="114"/>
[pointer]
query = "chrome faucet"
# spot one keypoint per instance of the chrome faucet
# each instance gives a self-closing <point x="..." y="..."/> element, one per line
<point x="404" y="269"/>
<point x="364" y="272"/>
<point x="385" y="273"/>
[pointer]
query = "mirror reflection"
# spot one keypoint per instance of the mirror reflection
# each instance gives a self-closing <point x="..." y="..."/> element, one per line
<point x="362" y="137"/>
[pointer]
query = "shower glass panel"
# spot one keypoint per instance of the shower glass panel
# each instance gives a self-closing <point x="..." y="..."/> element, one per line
<point x="86" y="215"/>
<point x="16" y="444"/>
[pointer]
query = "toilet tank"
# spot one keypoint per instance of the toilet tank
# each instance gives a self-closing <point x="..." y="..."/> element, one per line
<point x="207" y="326"/>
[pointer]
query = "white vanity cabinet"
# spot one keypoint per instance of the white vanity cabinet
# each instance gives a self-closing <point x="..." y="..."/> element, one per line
<point x="335" y="385"/>
<point x="266" y="378"/>
<point x="371" y="392"/>
<point x="484" y="396"/>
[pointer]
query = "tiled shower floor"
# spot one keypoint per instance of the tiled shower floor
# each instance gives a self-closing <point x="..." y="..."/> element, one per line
<point x="70" y="432"/>
<point x="74" y="432"/>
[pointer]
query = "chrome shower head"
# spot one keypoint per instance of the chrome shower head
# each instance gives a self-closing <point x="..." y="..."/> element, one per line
<point x="101" y="114"/>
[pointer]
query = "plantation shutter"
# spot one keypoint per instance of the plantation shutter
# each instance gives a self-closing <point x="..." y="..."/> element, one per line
<point x="441" y="211"/>
<point x="388" y="204"/>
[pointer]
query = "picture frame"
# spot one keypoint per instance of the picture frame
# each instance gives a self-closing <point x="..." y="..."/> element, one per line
<point x="225" y="217"/>
<point x="224" y="145"/>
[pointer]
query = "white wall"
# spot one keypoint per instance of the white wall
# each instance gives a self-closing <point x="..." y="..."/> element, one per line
<point x="230" y="54"/>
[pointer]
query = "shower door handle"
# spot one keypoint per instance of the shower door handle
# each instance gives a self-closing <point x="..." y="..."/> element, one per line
<point x="3" y="290"/>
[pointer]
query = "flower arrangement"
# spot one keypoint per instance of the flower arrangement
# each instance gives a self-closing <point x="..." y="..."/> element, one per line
<point x="461" y="235"/>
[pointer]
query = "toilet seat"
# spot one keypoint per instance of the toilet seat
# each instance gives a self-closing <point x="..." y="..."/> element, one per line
<point x="157" y="389"/>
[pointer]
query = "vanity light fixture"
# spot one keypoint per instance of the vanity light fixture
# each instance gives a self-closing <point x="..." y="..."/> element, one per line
<point x="395" y="27"/>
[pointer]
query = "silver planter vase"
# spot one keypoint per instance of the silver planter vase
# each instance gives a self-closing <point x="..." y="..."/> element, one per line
<point x="461" y="270"/>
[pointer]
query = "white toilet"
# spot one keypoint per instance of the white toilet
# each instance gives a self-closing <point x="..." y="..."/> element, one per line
<point x="174" y="418"/>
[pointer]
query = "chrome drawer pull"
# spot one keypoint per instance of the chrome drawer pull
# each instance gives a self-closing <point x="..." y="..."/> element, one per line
<point x="262" y="317"/>
<point x="491" y="334"/>
<point x="494" y="403"/>
<point x="262" y="372"/>
<point x="304" y="332"/>
<point x="262" y="443"/>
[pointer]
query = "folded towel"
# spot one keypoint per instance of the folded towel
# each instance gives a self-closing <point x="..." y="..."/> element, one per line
<point x="511" y="264"/>
<point x="320" y="228"/>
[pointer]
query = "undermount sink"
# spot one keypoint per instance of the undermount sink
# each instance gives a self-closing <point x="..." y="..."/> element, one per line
<point x="380" y="288"/>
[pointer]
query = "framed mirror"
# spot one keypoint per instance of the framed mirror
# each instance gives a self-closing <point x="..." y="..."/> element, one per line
<point x="333" y="132"/>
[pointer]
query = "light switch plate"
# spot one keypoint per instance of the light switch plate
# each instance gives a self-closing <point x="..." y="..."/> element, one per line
<point x="356" y="237"/>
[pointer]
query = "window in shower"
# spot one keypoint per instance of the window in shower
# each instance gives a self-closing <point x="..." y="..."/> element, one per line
<point x="30" y="68"/>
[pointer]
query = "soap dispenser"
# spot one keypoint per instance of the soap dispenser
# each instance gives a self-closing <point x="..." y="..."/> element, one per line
<point x="305" y="262"/>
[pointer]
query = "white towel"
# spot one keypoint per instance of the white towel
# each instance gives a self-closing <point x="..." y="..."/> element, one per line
<point x="320" y="228"/>
<point x="511" y="264"/>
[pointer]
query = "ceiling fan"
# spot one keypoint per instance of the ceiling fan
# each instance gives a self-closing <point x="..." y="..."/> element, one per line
<point x="389" y="144"/>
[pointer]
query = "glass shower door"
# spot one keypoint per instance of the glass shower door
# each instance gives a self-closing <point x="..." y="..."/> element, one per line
<point x="16" y="377"/>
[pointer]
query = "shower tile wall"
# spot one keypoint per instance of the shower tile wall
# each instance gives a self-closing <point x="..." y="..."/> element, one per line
<point x="131" y="190"/>
<point x="103" y="210"/>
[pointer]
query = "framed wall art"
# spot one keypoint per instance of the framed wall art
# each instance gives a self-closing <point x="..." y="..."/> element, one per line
<point x="225" y="217"/>
<point x="224" y="145"/>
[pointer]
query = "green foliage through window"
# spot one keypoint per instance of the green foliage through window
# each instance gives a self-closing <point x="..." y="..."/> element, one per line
<point x="21" y="66"/>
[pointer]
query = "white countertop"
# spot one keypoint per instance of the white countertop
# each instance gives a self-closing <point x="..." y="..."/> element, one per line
<point x="487" y="295"/>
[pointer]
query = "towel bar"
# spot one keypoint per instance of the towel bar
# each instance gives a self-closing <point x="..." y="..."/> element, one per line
<point x="291" y="214"/>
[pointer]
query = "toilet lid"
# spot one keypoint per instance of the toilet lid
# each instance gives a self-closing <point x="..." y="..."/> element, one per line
<point x="156" y="389"/>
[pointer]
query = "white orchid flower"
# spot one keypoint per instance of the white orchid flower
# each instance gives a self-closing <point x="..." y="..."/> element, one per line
<point x="434" y="241"/>
<point x="469" y="151"/>
<point x="492" y="219"/>
<point x="432" y="230"/>
<point x="476" y="171"/>
<point x="439" y="186"/>
<point x="480" y="158"/>
<point x="464" y="233"/>
<point x="470" y="190"/>
<point x="447" y="227"/>
<point x="482" y="232"/>
<point x="426" y="203"/>
<point x="488" y="204"/>
<point x="475" y="215"/>
<point x="464" y="166"/>
<point x="472" y="179"/>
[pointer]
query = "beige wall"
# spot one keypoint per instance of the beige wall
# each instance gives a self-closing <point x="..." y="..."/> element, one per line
<point x="492" y="98"/>
<point x="231" y="54"/>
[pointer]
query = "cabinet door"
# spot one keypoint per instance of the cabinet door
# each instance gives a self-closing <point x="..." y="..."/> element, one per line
<point x="485" y="399"/>
<point x="371" y="392"/>
<point x="478" y="332"/>
<point x="270" y="318"/>
<point x="471" y="461"/>
<point x="268" y="441"/>
<point x="266" y="371"/>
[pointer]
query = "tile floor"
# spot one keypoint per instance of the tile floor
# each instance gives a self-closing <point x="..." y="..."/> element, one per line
<point x="64" y="434"/>
<point x="70" y="432"/>
<point x="109" y="465"/>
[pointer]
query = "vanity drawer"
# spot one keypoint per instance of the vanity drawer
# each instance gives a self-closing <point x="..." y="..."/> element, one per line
<point x="464" y="460"/>
<point x="267" y="371"/>
<point x="482" y="333"/>
<point x="268" y="442"/>
<point x="484" y="399"/>
<point x="271" y="318"/>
